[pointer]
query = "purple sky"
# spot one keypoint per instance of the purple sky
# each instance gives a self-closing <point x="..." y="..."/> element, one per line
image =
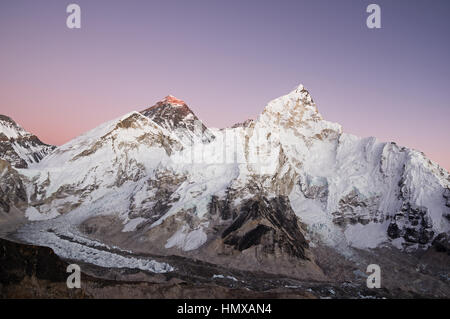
<point x="227" y="59"/>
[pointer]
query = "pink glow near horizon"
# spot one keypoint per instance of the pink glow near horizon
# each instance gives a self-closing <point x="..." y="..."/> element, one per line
<point x="391" y="83"/>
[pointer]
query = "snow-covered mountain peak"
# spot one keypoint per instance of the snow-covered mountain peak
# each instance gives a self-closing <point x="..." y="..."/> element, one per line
<point x="19" y="147"/>
<point x="296" y="114"/>
<point x="299" y="89"/>
<point x="166" y="181"/>
<point x="297" y="102"/>
<point x="10" y="129"/>
<point x="130" y="131"/>
<point x="172" y="100"/>
<point x="169" y="107"/>
<point x="174" y="115"/>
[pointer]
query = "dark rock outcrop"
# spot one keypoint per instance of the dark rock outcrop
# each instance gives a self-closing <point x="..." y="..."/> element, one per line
<point x="355" y="208"/>
<point x="245" y="124"/>
<point x="447" y="197"/>
<point x="413" y="224"/>
<point x="442" y="243"/>
<point x="269" y="223"/>
<point x="12" y="190"/>
<point x="19" y="261"/>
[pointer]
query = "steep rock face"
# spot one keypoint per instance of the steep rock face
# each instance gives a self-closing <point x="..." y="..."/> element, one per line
<point x="246" y="123"/>
<point x="268" y="223"/>
<point x="422" y="212"/>
<point x="447" y="197"/>
<point x="174" y="115"/>
<point x="355" y="208"/>
<point x="158" y="196"/>
<point x="413" y="224"/>
<point x="19" y="147"/>
<point x="12" y="190"/>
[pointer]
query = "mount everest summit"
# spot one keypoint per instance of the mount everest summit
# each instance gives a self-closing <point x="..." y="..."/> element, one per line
<point x="277" y="194"/>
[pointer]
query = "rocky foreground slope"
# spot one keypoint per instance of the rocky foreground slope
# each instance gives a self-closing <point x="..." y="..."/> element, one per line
<point x="268" y="195"/>
<point x="30" y="271"/>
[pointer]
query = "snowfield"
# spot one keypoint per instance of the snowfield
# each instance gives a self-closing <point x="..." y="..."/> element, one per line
<point x="348" y="191"/>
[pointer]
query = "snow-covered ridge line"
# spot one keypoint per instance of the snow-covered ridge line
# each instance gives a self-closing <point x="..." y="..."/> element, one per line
<point x="159" y="176"/>
<point x="19" y="147"/>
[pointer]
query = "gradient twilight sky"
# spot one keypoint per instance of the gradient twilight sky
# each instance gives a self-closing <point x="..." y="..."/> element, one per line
<point x="227" y="59"/>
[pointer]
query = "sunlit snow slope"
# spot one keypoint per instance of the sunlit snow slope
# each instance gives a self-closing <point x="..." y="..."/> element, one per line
<point x="174" y="187"/>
